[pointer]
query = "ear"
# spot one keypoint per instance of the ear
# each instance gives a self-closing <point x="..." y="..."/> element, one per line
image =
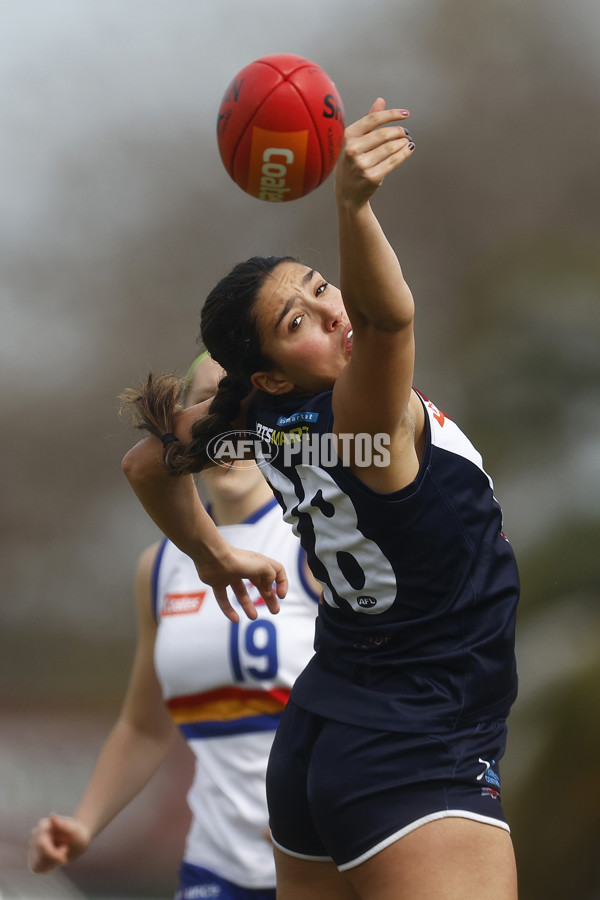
<point x="271" y="383"/>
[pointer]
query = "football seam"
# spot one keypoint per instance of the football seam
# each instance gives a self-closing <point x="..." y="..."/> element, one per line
<point x="284" y="79"/>
<point x="253" y="116"/>
<point x="317" y="132"/>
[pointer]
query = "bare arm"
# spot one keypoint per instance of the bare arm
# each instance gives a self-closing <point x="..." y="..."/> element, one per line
<point x="374" y="393"/>
<point x="373" y="287"/>
<point x="131" y="754"/>
<point x="174" y="505"/>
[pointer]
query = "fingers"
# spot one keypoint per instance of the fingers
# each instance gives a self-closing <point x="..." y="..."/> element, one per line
<point x="237" y="573"/>
<point x="377" y="139"/>
<point x="373" y="166"/>
<point x="385" y="159"/>
<point x="375" y="131"/>
<point x="281" y="582"/>
<point x="269" y="595"/>
<point x="223" y="600"/>
<point x="373" y="147"/>
<point x="375" y="118"/>
<point x="46" y="850"/>
<point x="377" y="159"/>
<point x="243" y="598"/>
<point x="271" y="586"/>
<point x="377" y="105"/>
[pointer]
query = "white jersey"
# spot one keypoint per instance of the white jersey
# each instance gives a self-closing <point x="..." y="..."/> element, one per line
<point x="225" y="685"/>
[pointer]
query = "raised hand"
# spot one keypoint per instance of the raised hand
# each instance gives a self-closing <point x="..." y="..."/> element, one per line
<point x="373" y="147"/>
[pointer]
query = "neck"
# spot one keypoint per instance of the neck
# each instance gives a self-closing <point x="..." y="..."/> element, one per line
<point x="227" y="509"/>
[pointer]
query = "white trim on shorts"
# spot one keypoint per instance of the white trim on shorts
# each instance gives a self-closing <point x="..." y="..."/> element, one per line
<point x="392" y="838"/>
<point x="298" y="855"/>
<point x="432" y="817"/>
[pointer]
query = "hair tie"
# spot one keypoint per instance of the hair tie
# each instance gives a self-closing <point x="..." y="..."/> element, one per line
<point x="168" y="438"/>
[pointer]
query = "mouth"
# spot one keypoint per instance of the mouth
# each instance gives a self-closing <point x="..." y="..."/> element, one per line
<point x="348" y="334"/>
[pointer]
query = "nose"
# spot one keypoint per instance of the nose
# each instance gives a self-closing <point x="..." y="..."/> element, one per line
<point x="332" y="317"/>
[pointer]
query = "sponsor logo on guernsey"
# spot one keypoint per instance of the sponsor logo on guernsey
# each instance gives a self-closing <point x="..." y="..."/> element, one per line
<point x="306" y="416"/>
<point x="366" y="602"/>
<point x="177" y="604"/>
<point x="438" y="415"/>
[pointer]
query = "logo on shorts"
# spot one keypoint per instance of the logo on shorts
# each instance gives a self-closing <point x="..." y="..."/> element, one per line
<point x="492" y="793"/>
<point x="491" y="778"/>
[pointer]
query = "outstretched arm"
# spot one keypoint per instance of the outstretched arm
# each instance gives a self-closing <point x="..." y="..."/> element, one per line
<point x="372" y="284"/>
<point x="174" y="505"/>
<point x="373" y="394"/>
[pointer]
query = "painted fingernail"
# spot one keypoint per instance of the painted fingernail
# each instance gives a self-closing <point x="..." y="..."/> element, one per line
<point x="404" y="112"/>
<point x="411" y="146"/>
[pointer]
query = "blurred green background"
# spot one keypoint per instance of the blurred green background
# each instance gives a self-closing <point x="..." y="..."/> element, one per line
<point x="118" y="217"/>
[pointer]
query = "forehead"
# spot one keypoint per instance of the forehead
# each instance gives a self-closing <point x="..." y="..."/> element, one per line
<point x="287" y="277"/>
<point x="285" y="283"/>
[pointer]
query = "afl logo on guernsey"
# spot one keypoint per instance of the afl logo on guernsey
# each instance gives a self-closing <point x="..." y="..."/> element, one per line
<point x="366" y="602"/>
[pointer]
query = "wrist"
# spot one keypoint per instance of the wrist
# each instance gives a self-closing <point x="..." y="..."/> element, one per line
<point x="86" y="829"/>
<point x="209" y="553"/>
<point x="353" y="210"/>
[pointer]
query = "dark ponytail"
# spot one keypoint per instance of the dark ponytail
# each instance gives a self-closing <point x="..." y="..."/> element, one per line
<point x="222" y="412"/>
<point x="229" y="333"/>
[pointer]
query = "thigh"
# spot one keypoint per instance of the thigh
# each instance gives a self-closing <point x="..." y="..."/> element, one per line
<point x="447" y="859"/>
<point x="301" y="879"/>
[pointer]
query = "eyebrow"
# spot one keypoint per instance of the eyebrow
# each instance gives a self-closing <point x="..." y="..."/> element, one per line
<point x="306" y="278"/>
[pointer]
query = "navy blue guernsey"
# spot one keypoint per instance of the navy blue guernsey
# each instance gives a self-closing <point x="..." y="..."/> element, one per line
<point x="420" y="586"/>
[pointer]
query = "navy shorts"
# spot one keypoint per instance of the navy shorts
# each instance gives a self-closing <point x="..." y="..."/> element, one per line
<point x="196" y="883"/>
<point x="344" y="793"/>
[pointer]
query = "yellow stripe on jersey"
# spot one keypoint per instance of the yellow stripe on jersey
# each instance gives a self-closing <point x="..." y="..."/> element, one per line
<point x="226" y="704"/>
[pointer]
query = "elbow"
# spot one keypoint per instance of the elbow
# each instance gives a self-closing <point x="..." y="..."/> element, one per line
<point x="398" y="314"/>
<point x="130" y="466"/>
<point x="143" y="461"/>
<point x="396" y="319"/>
<point x="393" y="324"/>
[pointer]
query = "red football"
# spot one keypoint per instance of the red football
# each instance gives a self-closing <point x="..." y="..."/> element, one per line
<point x="280" y="127"/>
